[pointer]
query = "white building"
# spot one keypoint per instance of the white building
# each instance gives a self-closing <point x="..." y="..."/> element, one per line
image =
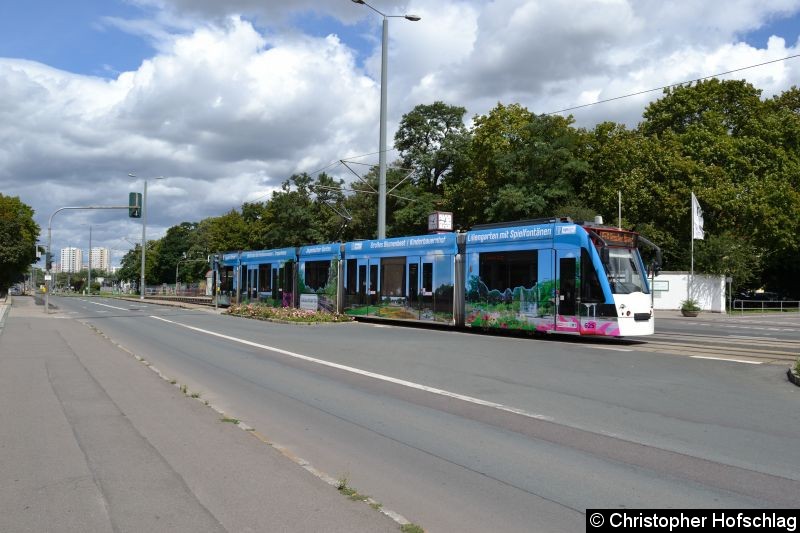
<point x="672" y="288"/>
<point x="100" y="259"/>
<point x="71" y="259"/>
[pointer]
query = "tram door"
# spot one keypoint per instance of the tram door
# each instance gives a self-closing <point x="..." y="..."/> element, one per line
<point x="252" y="282"/>
<point x="566" y="301"/>
<point x="363" y="281"/>
<point x="414" y="296"/>
<point x="420" y="285"/>
<point x="368" y="270"/>
<point x="241" y="283"/>
<point x="373" y="288"/>
<point x="426" y="288"/>
<point x="277" y="293"/>
<point x="287" y="276"/>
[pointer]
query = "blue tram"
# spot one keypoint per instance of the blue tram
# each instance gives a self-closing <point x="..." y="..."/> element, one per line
<point x="550" y="276"/>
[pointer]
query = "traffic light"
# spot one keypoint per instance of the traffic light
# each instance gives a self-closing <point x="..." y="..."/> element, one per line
<point x="135" y="205"/>
<point x="48" y="261"/>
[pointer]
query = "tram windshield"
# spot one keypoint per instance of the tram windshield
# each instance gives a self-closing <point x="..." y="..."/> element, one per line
<point x="624" y="272"/>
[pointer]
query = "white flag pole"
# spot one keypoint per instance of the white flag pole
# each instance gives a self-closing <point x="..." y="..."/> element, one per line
<point x="697" y="233"/>
<point x="691" y="277"/>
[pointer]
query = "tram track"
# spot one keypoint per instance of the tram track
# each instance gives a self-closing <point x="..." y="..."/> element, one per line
<point x="713" y="346"/>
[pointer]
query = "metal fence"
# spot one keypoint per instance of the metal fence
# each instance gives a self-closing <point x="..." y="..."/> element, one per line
<point x="192" y="290"/>
<point x="766" y="306"/>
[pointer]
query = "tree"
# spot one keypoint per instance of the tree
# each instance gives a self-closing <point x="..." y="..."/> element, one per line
<point x="362" y="208"/>
<point x="292" y="217"/>
<point x="520" y="166"/>
<point x="430" y="138"/>
<point x="728" y="254"/>
<point x="223" y="233"/>
<point x="18" y="235"/>
<point x="479" y="178"/>
<point x="329" y="203"/>
<point x="648" y="171"/>
<point x="131" y="264"/>
<point x="727" y="107"/>
<point x="741" y="157"/>
<point x="542" y="172"/>
<point x="180" y="250"/>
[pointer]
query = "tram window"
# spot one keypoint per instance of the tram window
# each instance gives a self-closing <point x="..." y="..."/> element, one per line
<point x="373" y="279"/>
<point x="226" y="279"/>
<point x="317" y="274"/>
<point x="591" y="292"/>
<point x="427" y="277"/>
<point x="509" y="270"/>
<point x="623" y="271"/>
<point x="352" y="273"/>
<point x="288" y="276"/>
<point x="264" y="275"/>
<point x="393" y="276"/>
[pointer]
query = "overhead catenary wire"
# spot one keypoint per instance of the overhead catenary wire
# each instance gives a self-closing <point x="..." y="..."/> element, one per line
<point x="638" y="93"/>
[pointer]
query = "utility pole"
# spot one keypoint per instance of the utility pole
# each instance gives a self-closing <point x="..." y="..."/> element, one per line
<point x="89" y="283"/>
<point x="144" y="242"/>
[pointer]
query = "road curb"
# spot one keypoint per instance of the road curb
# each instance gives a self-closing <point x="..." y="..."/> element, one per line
<point x="794" y="378"/>
<point x="5" y="305"/>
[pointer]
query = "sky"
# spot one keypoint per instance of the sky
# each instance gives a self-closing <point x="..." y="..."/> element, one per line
<point x="217" y="103"/>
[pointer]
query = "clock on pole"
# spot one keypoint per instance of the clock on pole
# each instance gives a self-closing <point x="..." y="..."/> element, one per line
<point x="440" y="221"/>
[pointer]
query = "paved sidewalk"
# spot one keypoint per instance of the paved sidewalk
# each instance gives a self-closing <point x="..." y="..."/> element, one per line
<point x="92" y="440"/>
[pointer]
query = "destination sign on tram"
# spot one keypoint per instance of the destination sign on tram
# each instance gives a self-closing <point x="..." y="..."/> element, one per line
<point x="617" y="238"/>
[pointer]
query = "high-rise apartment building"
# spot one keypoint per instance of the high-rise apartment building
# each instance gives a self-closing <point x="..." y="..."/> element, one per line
<point x="71" y="259"/>
<point x="100" y="258"/>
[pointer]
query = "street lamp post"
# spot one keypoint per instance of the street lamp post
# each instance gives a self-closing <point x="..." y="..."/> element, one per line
<point x="176" y="272"/>
<point x="144" y="238"/>
<point x="382" y="141"/>
<point x="89" y="283"/>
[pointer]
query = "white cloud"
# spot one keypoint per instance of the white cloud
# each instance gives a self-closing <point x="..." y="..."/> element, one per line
<point x="228" y="113"/>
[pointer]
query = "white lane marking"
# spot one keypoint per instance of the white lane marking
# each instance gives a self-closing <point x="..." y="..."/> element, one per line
<point x="753" y="338"/>
<point x="111" y="306"/>
<point x="726" y="359"/>
<point x="610" y="348"/>
<point x="366" y="373"/>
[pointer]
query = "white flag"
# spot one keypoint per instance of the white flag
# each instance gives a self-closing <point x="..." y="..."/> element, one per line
<point x="697" y="219"/>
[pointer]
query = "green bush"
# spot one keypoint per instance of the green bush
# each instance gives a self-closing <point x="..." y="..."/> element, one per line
<point x="289" y="314"/>
<point x="690" y="304"/>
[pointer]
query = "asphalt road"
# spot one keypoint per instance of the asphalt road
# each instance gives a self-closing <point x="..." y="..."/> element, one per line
<point x="782" y="326"/>
<point x="466" y="432"/>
